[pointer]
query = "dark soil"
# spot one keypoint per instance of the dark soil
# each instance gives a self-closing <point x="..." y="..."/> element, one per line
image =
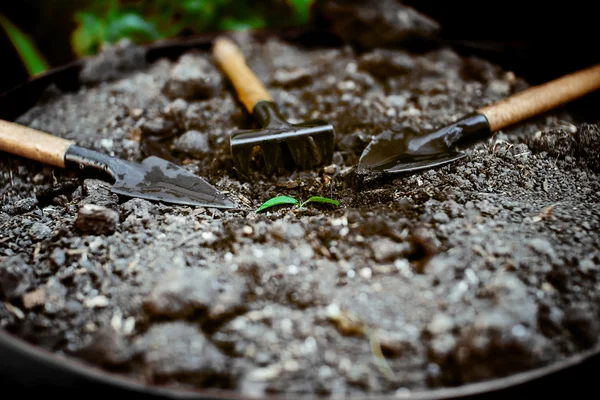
<point x="477" y="270"/>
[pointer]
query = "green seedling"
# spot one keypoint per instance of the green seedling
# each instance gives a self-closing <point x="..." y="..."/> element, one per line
<point x="277" y="201"/>
<point x="319" y="199"/>
<point x="290" y="200"/>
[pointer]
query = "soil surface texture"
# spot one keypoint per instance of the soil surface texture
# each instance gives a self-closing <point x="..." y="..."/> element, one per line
<point x="480" y="269"/>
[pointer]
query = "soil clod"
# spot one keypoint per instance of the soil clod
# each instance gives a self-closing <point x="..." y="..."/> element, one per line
<point x="96" y="220"/>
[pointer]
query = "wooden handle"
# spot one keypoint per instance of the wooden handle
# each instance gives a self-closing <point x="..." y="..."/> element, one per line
<point x="230" y="58"/>
<point x="33" y="144"/>
<point x="539" y="99"/>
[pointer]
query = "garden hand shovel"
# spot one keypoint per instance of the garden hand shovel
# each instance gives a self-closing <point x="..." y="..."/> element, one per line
<point x="404" y="149"/>
<point x="153" y="179"/>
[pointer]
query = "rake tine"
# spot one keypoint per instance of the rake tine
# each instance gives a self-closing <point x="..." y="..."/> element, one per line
<point x="241" y="162"/>
<point x="272" y="157"/>
<point x="298" y="150"/>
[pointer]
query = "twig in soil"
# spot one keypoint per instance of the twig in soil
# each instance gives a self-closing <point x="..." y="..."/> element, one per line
<point x="73" y="252"/>
<point x="186" y="240"/>
<point x="567" y="125"/>
<point x="349" y="323"/>
<point x="15" y="310"/>
<point x="36" y="251"/>
<point x="492" y="142"/>
<point x="545" y="213"/>
<point x="380" y="360"/>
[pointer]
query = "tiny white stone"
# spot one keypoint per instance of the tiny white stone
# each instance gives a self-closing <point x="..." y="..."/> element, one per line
<point x="291" y="365"/>
<point x="346" y="85"/>
<point x="402" y="393"/>
<point x="519" y="330"/>
<point x="129" y="325"/>
<point x="258" y="253"/>
<point x="310" y="344"/>
<point x="116" y="322"/>
<point x="98" y="301"/>
<point x="471" y="276"/>
<point x="292" y="269"/>
<point x="265" y="374"/>
<point x="351" y="68"/>
<point x="107" y="143"/>
<point x="333" y="311"/>
<point x="340" y="222"/>
<point x="366" y="273"/>
<point x="325" y="372"/>
<point x="239" y="324"/>
<point x="346" y="97"/>
<point x="287" y="325"/>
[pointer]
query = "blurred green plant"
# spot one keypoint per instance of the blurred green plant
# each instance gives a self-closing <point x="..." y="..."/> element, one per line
<point x="106" y="22"/>
<point x="30" y="55"/>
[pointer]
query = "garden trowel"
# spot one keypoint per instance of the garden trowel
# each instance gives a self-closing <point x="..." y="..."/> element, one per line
<point x="404" y="149"/>
<point x="152" y="179"/>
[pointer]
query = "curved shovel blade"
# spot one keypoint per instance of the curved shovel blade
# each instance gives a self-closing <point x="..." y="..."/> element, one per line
<point x="404" y="150"/>
<point x="419" y="163"/>
<point x="158" y="179"/>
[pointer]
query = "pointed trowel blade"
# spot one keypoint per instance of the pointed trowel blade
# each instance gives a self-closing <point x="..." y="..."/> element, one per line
<point x="161" y="180"/>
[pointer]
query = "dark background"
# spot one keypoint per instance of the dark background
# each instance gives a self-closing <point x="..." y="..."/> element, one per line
<point x="540" y="40"/>
<point x="49" y="23"/>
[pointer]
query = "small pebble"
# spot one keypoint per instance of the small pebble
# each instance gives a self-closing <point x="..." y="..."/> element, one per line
<point x="441" y="217"/>
<point x="39" y="231"/>
<point x="192" y="142"/>
<point x="96" y="220"/>
<point x="366" y="272"/>
<point x="96" y="302"/>
<point x="194" y="77"/>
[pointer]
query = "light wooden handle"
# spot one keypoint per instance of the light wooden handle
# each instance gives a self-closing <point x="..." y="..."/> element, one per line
<point x="539" y="99"/>
<point x="230" y="58"/>
<point x="33" y="144"/>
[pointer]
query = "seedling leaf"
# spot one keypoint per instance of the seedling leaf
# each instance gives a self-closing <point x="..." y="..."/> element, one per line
<point x="87" y="38"/>
<point x="30" y="55"/>
<point x="277" y="201"/>
<point x="319" y="199"/>
<point x="133" y="26"/>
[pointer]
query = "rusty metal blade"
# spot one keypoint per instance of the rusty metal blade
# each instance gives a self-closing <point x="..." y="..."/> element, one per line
<point x="152" y="179"/>
<point x="158" y="179"/>
<point x="403" y="150"/>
